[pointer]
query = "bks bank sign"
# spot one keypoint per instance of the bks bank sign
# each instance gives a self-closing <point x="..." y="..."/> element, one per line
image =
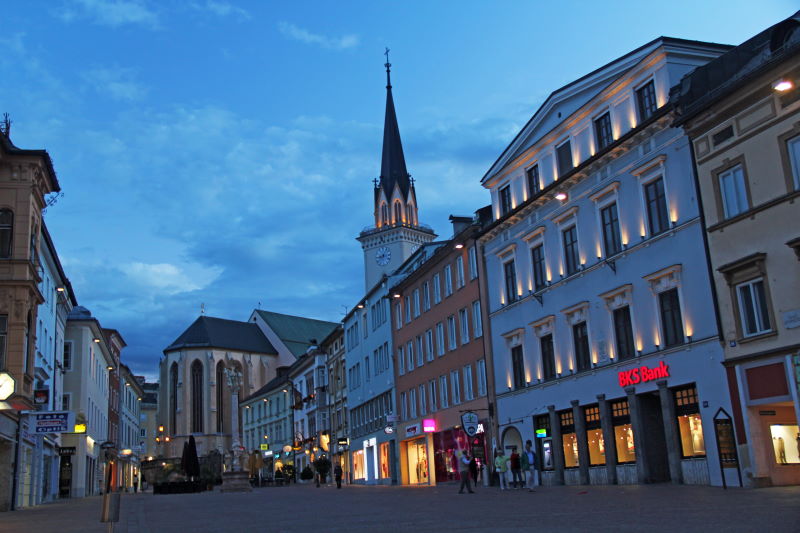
<point x="642" y="374"/>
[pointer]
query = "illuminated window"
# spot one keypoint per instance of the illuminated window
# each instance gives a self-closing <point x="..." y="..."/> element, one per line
<point x="646" y="100"/>
<point x="505" y="200"/>
<point x="623" y="332"/>
<point x="532" y="177"/>
<point x="358" y="465"/>
<point x="384" y="460"/>
<point x="594" y="436"/>
<point x="571" y="257"/>
<point x="690" y="424"/>
<point x="568" y="439"/>
<point x="602" y="129"/>
<point x="623" y="432"/>
<point x="784" y="437"/>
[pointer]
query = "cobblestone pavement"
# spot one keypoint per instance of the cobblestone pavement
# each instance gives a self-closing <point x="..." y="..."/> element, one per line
<point x="305" y="508"/>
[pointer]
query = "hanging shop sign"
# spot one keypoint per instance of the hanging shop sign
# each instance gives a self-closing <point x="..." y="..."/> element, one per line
<point x="469" y="421"/>
<point x="428" y="425"/>
<point x="66" y="450"/>
<point x="413" y="430"/>
<point x="342" y="441"/>
<point x="52" y="421"/>
<point x="41" y="396"/>
<point x="388" y="430"/>
<point x="642" y="374"/>
<point x="541" y="433"/>
<point x="264" y="447"/>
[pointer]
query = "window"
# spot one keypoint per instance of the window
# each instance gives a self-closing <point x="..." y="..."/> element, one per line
<point x="437" y="289"/>
<point x="407" y="306"/>
<point x="671" y="320"/>
<point x="6" y="233"/>
<point x="646" y="100"/>
<point x="412" y="403"/>
<point x="623" y="431"/>
<point x="173" y="398"/>
<point x="399" y="316"/>
<point x="448" y="281"/>
<point x="753" y="310"/>
<point x="611" y="235"/>
<point x="793" y="146"/>
<point x="410" y="355"/>
<point x="451" y="331"/>
<point x="416" y="303"/>
<point x="472" y="254"/>
<point x="537" y="260"/>
<point x="463" y="321"/>
<point x="564" y="158"/>
<point x="455" y="382"/>
<point x="594" y="436"/>
<point x="366" y="369"/>
<point x="469" y="393"/>
<point x="429" y="344"/>
<point x="732" y="191"/>
<point x="505" y="200"/>
<point x="66" y="401"/>
<point x="67" y="359"/>
<point x="602" y="129"/>
<point x="401" y="361"/>
<point x="434" y="397"/>
<point x="403" y="406"/>
<point x="569" y="440"/>
<point x="511" y="281"/>
<point x="440" y="338"/>
<point x="571" y="259"/>
<point x="548" y="357"/>
<point x="532" y="177"/>
<point x="420" y="355"/>
<point x="197" y="396"/>
<point x="656" y="202"/>
<point x="517" y="367"/>
<point x="580" y="338"/>
<point x="624" y="333"/>
<point x="459" y="271"/>
<point x="690" y="424"/>
<point x="426" y="296"/>
<point x="443" y="391"/>
<point x="481" y="364"/>
<point x="423" y="408"/>
<point x="220" y="384"/>
<point x="477" y="324"/>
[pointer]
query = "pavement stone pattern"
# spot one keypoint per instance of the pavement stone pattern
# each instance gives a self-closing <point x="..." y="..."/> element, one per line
<point x="649" y="508"/>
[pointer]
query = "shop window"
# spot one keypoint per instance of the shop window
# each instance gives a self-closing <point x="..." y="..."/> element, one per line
<point x="358" y="464"/>
<point x="544" y="442"/>
<point x="417" y="462"/>
<point x="784" y="437"/>
<point x="384" y="454"/>
<point x="623" y="432"/>
<point x="594" y="436"/>
<point x="568" y="439"/>
<point x="690" y="424"/>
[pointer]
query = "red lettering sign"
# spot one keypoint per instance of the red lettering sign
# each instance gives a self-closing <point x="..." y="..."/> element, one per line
<point x="642" y="374"/>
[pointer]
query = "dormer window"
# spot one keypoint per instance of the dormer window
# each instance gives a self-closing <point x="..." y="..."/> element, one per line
<point x="564" y="158"/>
<point x="602" y="128"/>
<point x="532" y="175"/>
<point x="646" y="100"/>
<point x="505" y="200"/>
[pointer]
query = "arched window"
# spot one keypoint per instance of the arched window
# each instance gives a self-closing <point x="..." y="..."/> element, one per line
<point x="6" y="232"/>
<point x="398" y="213"/>
<point x="173" y="398"/>
<point x="409" y="217"/>
<point x="197" y="396"/>
<point x="384" y="214"/>
<point x="220" y="397"/>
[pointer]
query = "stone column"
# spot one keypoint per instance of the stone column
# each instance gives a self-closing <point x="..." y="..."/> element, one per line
<point x="642" y="464"/>
<point x="670" y="432"/>
<point x="234" y="384"/>
<point x="609" y="439"/>
<point x="583" y="443"/>
<point x="558" y="445"/>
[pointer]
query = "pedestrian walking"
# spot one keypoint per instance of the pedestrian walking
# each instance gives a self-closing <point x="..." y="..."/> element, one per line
<point x="501" y="467"/>
<point x="463" y="471"/>
<point x="337" y="474"/>
<point x="135" y="483"/>
<point x="529" y="465"/>
<point x="516" y="469"/>
<point x="473" y="471"/>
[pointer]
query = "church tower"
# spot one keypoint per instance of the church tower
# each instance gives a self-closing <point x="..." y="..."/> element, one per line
<point x="397" y="232"/>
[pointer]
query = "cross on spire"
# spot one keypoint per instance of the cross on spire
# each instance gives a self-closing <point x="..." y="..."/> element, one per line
<point x="388" y="69"/>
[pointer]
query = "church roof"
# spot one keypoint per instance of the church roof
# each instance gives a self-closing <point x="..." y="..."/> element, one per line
<point x="296" y="332"/>
<point x="212" y="332"/>
<point x="393" y="162"/>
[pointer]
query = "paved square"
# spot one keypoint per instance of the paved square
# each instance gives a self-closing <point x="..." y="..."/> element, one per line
<point x="422" y="509"/>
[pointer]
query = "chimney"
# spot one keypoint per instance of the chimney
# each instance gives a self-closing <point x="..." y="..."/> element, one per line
<point x="460" y="223"/>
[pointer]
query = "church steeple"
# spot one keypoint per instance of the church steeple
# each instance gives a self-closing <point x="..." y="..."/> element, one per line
<point x="393" y="161"/>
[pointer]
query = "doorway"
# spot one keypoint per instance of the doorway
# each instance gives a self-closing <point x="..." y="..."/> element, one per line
<point x="655" y="442"/>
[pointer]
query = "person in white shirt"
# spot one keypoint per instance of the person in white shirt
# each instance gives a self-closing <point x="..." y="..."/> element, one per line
<point x="529" y="465"/>
<point x="463" y="471"/>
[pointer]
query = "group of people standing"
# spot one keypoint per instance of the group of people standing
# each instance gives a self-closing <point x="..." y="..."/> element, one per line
<point x="518" y="464"/>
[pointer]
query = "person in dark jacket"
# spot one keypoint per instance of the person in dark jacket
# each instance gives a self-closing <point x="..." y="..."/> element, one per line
<point x="516" y="470"/>
<point x="337" y="475"/>
<point x="473" y="471"/>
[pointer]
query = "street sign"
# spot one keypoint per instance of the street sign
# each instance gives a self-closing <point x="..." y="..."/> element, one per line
<point x="7" y="385"/>
<point x="342" y="441"/>
<point x="469" y="421"/>
<point x="52" y="421"/>
<point x="66" y="450"/>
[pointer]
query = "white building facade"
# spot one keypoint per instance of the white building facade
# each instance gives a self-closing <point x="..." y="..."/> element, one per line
<point x="605" y="341"/>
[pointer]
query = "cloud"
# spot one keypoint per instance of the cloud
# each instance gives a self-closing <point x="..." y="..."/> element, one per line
<point x="112" y="13"/>
<point x="171" y="279"/>
<point x="304" y="36"/>
<point x="116" y="82"/>
<point x="222" y="9"/>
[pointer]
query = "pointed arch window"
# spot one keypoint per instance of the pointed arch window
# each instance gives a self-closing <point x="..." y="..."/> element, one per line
<point x="6" y="232"/>
<point x="384" y="214"/>
<point x="220" y="397"/>
<point x="173" y="398"/>
<point x="197" y="396"/>
<point x="398" y="213"/>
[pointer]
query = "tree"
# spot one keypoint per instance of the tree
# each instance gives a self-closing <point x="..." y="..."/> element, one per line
<point x="191" y="463"/>
<point x="323" y="466"/>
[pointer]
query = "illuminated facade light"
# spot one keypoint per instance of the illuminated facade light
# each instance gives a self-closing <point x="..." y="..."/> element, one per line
<point x="783" y="85"/>
<point x="396" y="295"/>
<point x="561" y="196"/>
<point x="96" y="340"/>
<point x="459" y="246"/>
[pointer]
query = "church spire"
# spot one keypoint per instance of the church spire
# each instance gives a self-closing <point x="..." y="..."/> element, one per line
<point x="393" y="162"/>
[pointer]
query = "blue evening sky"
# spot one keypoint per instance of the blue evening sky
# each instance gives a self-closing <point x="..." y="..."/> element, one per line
<point x="222" y="152"/>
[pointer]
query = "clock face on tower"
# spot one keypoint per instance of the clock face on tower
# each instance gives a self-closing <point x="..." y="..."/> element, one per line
<point x="383" y="256"/>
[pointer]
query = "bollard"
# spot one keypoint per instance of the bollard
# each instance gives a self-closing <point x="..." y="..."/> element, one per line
<point x="110" y="512"/>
